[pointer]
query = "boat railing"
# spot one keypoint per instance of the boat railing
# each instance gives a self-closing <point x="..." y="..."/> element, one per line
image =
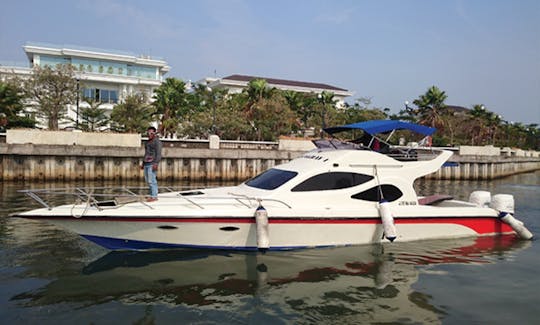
<point x="400" y="153"/>
<point x="407" y="153"/>
<point x="114" y="197"/>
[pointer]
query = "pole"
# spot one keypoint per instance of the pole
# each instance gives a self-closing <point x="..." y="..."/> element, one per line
<point x="77" y="121"/>
<point x="214" y="117"/>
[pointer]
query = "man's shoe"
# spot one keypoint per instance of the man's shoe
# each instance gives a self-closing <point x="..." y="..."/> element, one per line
<point x="151" y="199"/>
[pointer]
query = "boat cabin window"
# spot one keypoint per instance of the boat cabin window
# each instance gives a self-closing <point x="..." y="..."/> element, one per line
<point x="271" y="179"/>
<point x="331" y="181"/>
<point x="390" y="193"/>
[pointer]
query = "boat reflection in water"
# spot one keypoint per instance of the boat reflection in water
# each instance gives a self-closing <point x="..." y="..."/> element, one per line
<point x="360" y="284"/>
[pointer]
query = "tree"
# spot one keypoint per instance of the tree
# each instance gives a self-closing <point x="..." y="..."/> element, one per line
<point x="208" y="111"/>
<point x="257" y="89"/>
<point x="93" y="118"/>
<point x="360" y="112"/>
<point x="302" y="105"/>
<point x="532" y="137"/>
<point x="51" y="90"/>
<point x="11" y="104"/>
<point x="326" y="103"/>
<point x="170" y="101"/>
<point x="486" y="126"/>
<point x="266" y="125"/>
<point x="431" y="107"/>
<point x="133" y="115"/>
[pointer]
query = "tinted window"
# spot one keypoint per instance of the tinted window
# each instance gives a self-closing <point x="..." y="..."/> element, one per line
<point x="331" y="181"/>
<point x="390" y="193"/>
<point x="271" y="179"/>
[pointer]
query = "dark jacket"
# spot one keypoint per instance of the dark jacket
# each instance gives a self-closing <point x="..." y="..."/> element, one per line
<point x="152" y="151"/>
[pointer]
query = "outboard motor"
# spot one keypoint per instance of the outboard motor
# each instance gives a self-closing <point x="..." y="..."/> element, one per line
<point x="387" y="220"/>
<point x="261" y="221"/>
<point x="504" y="204"/>
<point x="480" y="198"/>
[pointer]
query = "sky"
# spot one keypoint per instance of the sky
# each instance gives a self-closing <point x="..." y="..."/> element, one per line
<point x="391" y="51"/>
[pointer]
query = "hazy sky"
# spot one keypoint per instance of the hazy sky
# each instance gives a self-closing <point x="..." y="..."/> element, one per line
<point x="478" y="51"/>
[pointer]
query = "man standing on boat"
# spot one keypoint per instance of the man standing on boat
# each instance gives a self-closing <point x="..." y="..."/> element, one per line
<point x="152" y="157"/>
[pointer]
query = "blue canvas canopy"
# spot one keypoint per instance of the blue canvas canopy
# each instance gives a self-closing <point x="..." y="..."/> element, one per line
<point x="381" y="126"/>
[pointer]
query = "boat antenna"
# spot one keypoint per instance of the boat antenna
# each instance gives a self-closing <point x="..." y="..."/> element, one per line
<point x="379" y="187"/>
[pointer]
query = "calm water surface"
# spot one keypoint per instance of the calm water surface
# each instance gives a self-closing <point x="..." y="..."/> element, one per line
<point x="50" y="276"/>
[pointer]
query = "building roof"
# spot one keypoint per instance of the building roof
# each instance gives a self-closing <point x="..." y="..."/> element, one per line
<point x="284" y="82"/>
<point x="457" y="109"/>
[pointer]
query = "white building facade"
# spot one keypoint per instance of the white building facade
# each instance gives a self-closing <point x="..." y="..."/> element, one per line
<point x="103" y="75"/>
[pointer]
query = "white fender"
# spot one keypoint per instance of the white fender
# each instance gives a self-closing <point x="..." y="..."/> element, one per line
<point x="263" y="236"/>
<point x="516" y="225"/>
<point x="387" y="220"/>
<point x="504" y="204"/>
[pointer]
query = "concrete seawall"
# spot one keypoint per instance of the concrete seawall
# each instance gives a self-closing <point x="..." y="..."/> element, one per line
<point x="65" y="163"/>
<point x="485" y="167"/>
<point x="72" y="162"/>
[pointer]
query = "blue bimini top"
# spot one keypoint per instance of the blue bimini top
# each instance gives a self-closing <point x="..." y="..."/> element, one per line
<point x="381" y="126"/>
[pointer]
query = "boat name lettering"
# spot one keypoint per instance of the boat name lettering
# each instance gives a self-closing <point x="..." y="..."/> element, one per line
<point x="313" y="157"/>
<point x="407" y="203"/>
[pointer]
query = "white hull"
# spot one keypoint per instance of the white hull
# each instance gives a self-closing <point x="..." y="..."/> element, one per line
<point x="284" y="233"/>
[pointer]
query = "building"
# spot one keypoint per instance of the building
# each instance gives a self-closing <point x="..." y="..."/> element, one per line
<point x="104" y="75"/>
<point x="236" y="83"/>
<point x="110" y="76"/>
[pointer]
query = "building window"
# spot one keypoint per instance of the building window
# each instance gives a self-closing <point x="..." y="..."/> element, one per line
<point x="105" y="96"/>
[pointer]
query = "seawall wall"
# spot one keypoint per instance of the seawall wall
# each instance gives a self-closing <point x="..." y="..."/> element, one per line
<point x="65" y="163"/>
<point x="70" y="156"/>
<point x="72" y="162"/>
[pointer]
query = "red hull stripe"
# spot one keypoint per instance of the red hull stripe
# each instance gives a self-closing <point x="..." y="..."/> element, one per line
<point x="481" y="225"/>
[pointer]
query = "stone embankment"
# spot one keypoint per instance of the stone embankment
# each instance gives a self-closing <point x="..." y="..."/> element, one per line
<point x="75" y="156"/>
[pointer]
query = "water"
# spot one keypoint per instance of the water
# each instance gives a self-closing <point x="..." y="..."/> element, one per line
<point x="50" y="276"/>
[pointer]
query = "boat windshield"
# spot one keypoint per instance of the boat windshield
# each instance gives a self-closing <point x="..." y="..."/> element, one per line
<point x="271" y="179"/>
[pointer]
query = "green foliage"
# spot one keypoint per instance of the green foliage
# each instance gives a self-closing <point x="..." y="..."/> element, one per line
<point x="172" y="104"/>
<point x="431" y="108"/>
<point x="270" y="118"/>
<point x="302" y="106"/>
<point x="93" y="118"/>
<point x="51" y="90"/>
<point x="133" y="115"/>
<point x="11" y="106"/>
<point x="258" y="113"/>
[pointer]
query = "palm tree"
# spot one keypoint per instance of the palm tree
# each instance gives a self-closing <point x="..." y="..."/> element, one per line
<point x="169" y="100"/>
<point x="133" y="115"/>
<point x="487" y="124"/>
<point x="257" y="89"/>
<point x="431" y="107"/>
<point x="478" y="113"/>
<point x="301" y="105"/>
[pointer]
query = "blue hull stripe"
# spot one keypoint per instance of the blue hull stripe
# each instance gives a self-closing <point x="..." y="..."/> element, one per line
<point x="128" y="244"/>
